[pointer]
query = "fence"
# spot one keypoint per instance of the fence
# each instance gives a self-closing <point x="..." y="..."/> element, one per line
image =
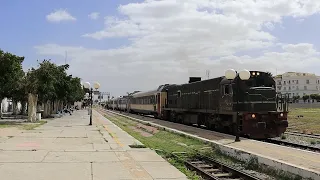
<point x="305" y="105"/>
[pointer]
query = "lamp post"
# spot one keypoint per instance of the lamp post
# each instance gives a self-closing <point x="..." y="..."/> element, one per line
<point x="87" y="97"/>
<point x="87" y="85"/>
<point x="231" y="74"/>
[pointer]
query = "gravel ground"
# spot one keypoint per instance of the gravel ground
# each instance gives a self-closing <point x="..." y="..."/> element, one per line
<point x="251" y="172"/>
<point x="301" y="140"/>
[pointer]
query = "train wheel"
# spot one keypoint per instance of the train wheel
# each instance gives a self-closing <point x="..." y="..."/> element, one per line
<point x="173" y="117"/>
<point x="180" y="119"/>
<point x="156" y="116"/>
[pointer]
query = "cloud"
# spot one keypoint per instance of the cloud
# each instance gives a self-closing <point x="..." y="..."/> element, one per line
<point x="191" y="37"/>
<point x="94" y="15"/>
<point x="60" y="15"/>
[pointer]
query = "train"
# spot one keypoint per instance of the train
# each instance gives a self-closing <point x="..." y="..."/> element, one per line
<point x="251" y="107"/>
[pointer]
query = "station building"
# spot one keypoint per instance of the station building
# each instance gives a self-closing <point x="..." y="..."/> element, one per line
<point x="297" y="83"/>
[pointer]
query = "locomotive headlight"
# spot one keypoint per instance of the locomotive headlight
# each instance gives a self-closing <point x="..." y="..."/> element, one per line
<point x="281" y="114"/>
<point x="258" y="73"/>
<point x="253" y="73"/>
<point x="253" y="116"/>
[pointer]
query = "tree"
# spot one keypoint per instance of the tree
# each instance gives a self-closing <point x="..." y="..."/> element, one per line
<point x="11" y="73"/>
<point x="305" y="97"/>
<point x="31" y="88"/>
<point x="49" y="85"/>
<point x="313" y="97"/>
<point x="55" y="88"/>
<point x="295" y="98"/>
<point x="75" y="91"/>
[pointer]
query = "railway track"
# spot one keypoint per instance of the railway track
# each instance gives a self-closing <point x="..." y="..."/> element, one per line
<point x="315" y="136"/>
<point x="274" y="141"/>
<point x="209" y="168"/>
<point x="290" y="144"/>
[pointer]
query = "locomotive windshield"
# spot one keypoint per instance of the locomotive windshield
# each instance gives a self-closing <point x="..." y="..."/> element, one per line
<point x="262" y="80"/>
<point x="260" y="88"/>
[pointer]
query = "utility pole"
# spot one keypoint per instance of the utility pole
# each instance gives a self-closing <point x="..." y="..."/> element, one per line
<point x="65" y="58"/>
<point x="208" y="74"/>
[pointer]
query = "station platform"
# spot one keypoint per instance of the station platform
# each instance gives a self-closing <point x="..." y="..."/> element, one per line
<point x="67" y="148"/>
<point x="300" y="162"/>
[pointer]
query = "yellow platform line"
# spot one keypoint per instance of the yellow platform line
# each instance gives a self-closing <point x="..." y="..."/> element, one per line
<point x="115" y="138"/>
<point x="106" y="128"/>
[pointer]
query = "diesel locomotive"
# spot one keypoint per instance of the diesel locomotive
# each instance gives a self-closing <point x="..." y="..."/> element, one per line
<point x="217" y="103"/>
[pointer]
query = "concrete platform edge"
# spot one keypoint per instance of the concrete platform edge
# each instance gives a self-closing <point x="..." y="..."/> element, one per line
<point x="239" y="153"/>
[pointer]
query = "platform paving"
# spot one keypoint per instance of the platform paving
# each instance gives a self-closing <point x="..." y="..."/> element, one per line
<point x="67" y="148"/>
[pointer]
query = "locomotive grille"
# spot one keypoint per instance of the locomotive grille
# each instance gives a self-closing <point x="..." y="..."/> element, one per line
<point x="256" y="106"/>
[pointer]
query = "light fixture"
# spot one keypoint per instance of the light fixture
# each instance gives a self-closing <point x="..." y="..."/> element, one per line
<point x="87" y="85"/>
<point x="230" y="74"/>
<point x="244" y="74"/>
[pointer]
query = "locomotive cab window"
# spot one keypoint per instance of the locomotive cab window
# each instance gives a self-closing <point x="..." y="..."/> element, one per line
<point x="227" y="89"/>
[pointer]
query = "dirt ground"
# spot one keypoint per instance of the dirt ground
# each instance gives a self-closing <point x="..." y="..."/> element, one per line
<point x="305" y="120"/>
<point x="144" y="130"/>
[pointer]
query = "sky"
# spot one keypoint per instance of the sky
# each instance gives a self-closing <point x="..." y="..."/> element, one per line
<point x="129" y="45"/>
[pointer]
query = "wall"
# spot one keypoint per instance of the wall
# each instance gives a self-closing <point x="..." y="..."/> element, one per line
<point x="5" y="106"/>
<point x="304" y="105"/>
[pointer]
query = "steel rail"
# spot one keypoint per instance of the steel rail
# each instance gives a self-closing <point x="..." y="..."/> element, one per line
<point x="210" y="168"/>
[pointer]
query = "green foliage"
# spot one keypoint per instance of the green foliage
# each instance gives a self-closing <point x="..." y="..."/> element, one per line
<point x="305" y="97"/>
<point x="295" y="98"/>
<point x="11" y="73"/>
<point x="49" y="81"/>
<point x="53" y="83"/>
<point x="315" y="97"/>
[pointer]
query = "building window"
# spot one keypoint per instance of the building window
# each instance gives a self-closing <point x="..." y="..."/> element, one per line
<point x="308" y="81"/>
<point x="305" y="87"/>
<point x="279" y="82"/>
<point x="297" y="87"/>
<point x="284" y="88"/>
<point x="297" y="82"/>
<point x="279" y="88"/>
<point x="289" y="88"/>
<point x="284" y="82"/>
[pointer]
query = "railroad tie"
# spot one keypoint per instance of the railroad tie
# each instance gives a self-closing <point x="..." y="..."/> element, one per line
<point x="204" y="166"/>
<point x="212" y="170"/>
<point x="222" y="175"/>
<point x="196" y="162"/>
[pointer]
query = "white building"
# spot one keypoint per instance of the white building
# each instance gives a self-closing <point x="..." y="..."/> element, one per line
<point x="297" y="84"/>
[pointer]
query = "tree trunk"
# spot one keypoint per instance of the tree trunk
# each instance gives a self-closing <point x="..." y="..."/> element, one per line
<point x="23" y="108"/>
<point x="45" y="109"/>
<point x="60" y="105"/>
<point x="32" y="107"/>
<point x="0" y="107"/>
<point x="14" y="107"/>
<point x="50" y="108"/>
<point x="55" y="106"/>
